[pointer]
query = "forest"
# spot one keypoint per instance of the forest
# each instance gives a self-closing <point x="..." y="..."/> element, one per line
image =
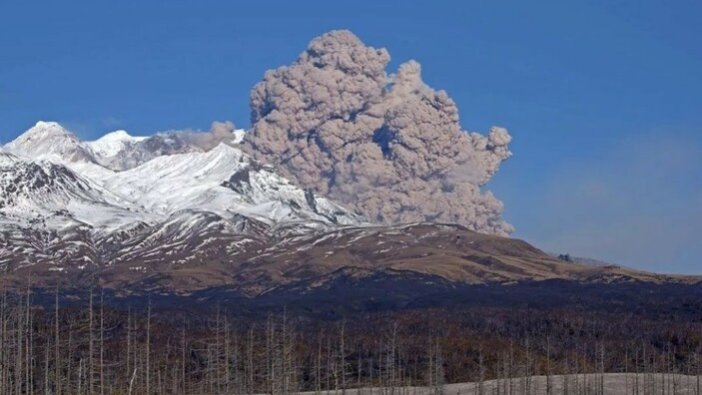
<point x="94" y="347"/>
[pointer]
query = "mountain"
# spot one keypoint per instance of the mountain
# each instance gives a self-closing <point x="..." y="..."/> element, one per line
<point x="204" y="257"/>
<point x="146" y="214"/>
<point x="223" y="180"/>
<point x="60" y="198"/>
<point x="117" y="150"/>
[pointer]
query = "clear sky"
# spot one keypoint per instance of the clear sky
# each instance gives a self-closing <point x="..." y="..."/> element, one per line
<point x="603" y="98"/>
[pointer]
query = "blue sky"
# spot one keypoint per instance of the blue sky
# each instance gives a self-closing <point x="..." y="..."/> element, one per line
<point x="603" y="98"/>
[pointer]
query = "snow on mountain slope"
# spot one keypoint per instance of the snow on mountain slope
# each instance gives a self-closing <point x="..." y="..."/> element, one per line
<point x="112" y="143"/>
<point x="35" y="185"/>
<point x="186" y="237"/>
<point x="66" y="203"/>
<point x="135" y="151"/>
<point x="120" y="151"/>
<point x="50" y="141"/>
<point x="223" y="180"/>
<point x="46" y="191"/>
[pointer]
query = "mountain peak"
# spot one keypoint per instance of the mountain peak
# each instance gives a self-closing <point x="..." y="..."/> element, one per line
<point x="117" y="135"/>
<point x="120" y="135"/>
<point x="41" y="123"/>
<point x="51" y="141"/>
<point x="112" y="143"/>
<point x="46" y="128"/>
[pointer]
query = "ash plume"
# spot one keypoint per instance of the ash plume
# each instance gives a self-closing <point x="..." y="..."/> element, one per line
<point x="388" y="146"/>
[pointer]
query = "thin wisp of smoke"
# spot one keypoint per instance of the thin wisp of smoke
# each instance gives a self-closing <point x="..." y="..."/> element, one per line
<point x="220" y="132"/>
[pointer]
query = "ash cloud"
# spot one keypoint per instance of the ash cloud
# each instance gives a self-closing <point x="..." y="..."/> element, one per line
<point x="387" y="145"/>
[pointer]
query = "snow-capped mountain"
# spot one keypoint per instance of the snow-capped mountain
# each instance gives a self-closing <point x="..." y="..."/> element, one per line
<point x="124" y="198"/>
<point x="50" y="141"/>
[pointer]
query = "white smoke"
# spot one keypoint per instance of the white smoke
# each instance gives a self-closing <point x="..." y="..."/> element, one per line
<point x="220" y="132"/>
<point x="388" y="146"/>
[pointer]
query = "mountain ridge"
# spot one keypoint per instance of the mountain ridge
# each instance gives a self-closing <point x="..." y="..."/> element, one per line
<point x="184" y="219"/>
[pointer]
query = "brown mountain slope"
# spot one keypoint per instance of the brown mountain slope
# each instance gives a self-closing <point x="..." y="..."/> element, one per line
<point x="448" y="252"/>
